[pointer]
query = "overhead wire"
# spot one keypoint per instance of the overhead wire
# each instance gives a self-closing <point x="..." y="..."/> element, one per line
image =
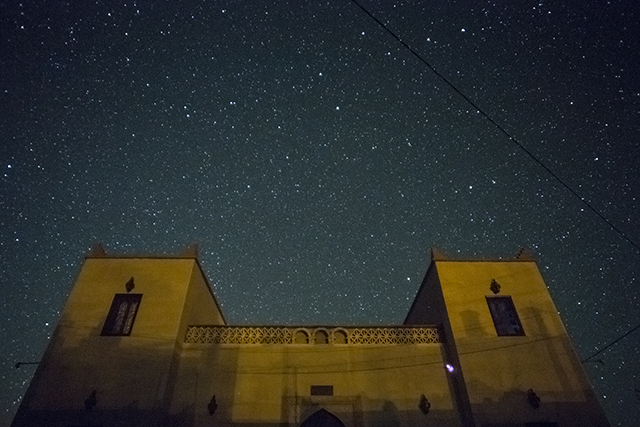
<point x="516" y="142"/>
<point x="501" y="129"/>
<point x="610" y="344"/>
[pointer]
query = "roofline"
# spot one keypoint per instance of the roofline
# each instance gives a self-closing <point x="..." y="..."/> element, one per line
<point x="523" y="255"/>
<point x="210" y="288"/>
<point x="191" y="252"/>
<point x="98" y="251"/>
<point x="125" y="256"/>
<point x="432" y="265"/>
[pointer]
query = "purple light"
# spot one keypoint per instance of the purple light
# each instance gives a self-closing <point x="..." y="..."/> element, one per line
<point x="449" y="368"/>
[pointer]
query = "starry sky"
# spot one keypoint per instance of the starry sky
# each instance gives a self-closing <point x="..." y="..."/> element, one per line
<point x="316" y="160"/>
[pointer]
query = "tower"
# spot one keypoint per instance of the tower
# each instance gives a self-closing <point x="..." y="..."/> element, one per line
<point x="512" y="360"/>
<point x="114" y="354"/>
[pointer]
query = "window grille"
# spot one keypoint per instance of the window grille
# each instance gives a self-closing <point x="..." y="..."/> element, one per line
<point x="121" y="315"/>
<point x="505" y="317"/>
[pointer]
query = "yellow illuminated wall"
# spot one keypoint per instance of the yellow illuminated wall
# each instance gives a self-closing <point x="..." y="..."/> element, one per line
<point x="157" y="376"/>
<point x="133" y="375"/>
<point x="498" y="372"/>
<point x="270" y="384"/>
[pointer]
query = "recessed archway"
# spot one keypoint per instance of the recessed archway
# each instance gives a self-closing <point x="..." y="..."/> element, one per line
<point x="322" y="337"/>
<point x="322" y="418"/>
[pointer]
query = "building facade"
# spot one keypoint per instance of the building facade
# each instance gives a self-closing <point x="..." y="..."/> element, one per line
<point x="142" y="341"/>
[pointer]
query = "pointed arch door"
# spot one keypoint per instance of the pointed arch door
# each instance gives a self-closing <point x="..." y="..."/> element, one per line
<point x="322" y="418"/>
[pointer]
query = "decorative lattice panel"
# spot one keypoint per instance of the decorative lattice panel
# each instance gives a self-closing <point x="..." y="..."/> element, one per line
<point x="238" y="335"/>
<point x="283" y="335"/>
<point x="394" y="336"/>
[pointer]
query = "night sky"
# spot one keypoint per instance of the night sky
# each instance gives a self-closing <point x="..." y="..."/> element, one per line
<point x="316" y="160"/>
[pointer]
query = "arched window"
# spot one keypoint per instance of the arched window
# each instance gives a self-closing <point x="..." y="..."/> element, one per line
<point x="339" y="337"/>
<point x="322" y="337"/>
<point x="322" y="418"/>
<point x="301" y="337"/>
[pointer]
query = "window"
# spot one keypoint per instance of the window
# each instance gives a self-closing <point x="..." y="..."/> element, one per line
<point x="339" y="337"/>
<point x="302" y="337"/>
<point x="121" y="314"/>
<point x="322" y="337"/>
<point x="505" y="317"/>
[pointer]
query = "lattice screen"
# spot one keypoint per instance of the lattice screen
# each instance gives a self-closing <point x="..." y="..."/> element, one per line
<point x="238" y="335"/>
<point x="394" y="336"/>
<point x="284" y="335"/>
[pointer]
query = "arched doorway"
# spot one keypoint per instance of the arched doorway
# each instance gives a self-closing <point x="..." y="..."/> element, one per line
<point x="322" y="418"/>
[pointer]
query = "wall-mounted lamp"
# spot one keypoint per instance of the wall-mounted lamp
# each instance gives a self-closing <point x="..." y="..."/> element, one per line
<point x="424" y="404"/>
<point x="495" y="287"/>
<point x="533" y="399"/>
<point x="212" y="406"/>
<point x="130" y="285"/>
<point x="91" y="401"/>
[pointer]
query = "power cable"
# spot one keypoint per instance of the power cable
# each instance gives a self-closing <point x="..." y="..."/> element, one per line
<point x="500" y="128"/>
<point x="610" y="344"/>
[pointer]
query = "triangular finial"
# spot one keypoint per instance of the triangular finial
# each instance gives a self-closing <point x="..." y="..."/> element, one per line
<point x="438" y="254"/>
<point x="191" y="251"/>
<point x="97" y="250"/>
<point x="525" y="254"/>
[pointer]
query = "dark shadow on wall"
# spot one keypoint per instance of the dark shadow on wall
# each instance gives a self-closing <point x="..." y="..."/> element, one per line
<point x="555" y="348"/>
<point x="389" y="416"/>
<point x="472" y="325"/>
<point x="99" y="381"/>
<point x="514" y="408"/>
<point x="203" y="396"/>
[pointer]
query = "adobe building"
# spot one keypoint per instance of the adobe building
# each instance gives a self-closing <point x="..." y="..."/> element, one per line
<point x="142" y="341"/>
